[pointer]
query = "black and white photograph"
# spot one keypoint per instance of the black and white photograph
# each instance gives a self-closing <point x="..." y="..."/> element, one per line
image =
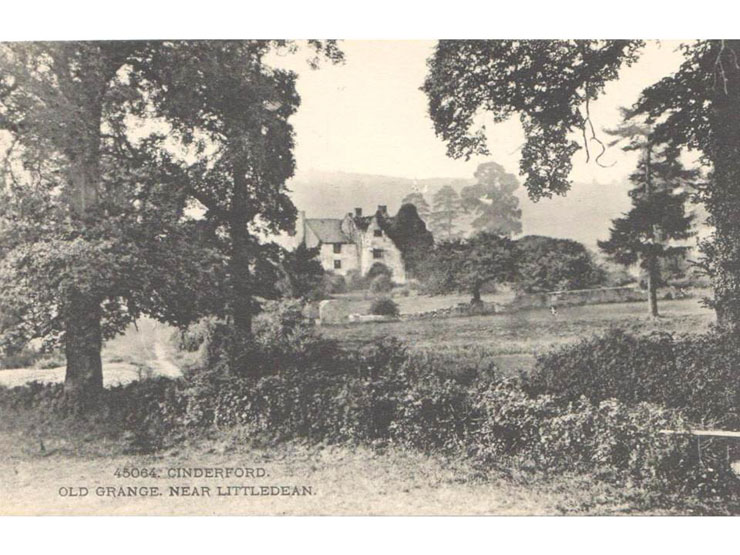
<point x="370" y="277"/>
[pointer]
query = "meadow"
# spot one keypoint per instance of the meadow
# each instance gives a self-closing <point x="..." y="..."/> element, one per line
<point x="514" y="339"/>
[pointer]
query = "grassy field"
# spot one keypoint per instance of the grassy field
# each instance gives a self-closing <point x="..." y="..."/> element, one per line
<point x="514" y="339"/>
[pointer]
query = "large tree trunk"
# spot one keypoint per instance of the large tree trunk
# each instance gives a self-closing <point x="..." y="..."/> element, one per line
<point x="83" y="342"/>
<point x="82" y="312"/>
<point x="240" y="259"/>
<point x="723" y="203"/>
<point x="652" y="285"/>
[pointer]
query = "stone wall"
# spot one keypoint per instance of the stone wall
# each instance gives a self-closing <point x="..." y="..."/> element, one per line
<point x="577" y="297"/>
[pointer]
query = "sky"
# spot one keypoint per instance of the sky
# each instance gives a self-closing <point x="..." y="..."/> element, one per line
<point x="369" y="116"/>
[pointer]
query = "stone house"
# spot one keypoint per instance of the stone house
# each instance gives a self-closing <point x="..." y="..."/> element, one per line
<point x="353" y="243"/>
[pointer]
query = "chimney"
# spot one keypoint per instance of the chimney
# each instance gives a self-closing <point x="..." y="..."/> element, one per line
<point x="358" y="212"/>
<point x="383" y="209"/>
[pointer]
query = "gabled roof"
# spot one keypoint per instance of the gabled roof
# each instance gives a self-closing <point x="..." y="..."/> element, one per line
<point x="328" y="230"/>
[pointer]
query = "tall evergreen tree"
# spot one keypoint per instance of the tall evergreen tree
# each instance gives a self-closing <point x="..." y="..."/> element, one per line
<point x="492" y="200"/>
<point x="445" y="211"/>
<point x="658" y="217"/>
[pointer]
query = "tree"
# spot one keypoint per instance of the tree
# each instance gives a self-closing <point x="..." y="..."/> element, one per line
<point x="303" y="274"/>
<point x="418" y="200"/>
<point x="446" y="209"/>
<point x="410" y="234"/>
<point x="93" y="231"/>
<point x="468" y="264"/>
<point x="550" y="264"/>
<point x="492" y="200"/>
<point x="224" y="102"/>
<point x="550" y="85"/>
<point x="658" y="215"/>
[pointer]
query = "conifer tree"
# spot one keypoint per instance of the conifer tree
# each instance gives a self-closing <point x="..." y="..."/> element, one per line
<point x="658" y="218"/>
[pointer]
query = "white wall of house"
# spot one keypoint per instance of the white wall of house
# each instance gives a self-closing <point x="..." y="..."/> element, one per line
<point x="346" y="257"/>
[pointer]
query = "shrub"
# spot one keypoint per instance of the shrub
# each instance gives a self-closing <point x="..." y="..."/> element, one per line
<point x="381" y="284"/>
<point x="698" y="374"/>
<point x="378" y="269"/>
<point x="333" y="284"/>
<point x="22" y="358"/>
<point x="355" y="281"/>
<point x="192" y="338"/>
<point x="384" y="307"/>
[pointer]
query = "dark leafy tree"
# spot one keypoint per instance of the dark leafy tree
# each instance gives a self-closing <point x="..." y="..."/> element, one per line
<point x="445" y="211"/>
<point x="93" y="229"/>
<point x="410" y="234"/>
<point x="303" y="274"/>
<point x="550" y="264"/>
<point x="468" y="264"/>
<point x="549" y="85"/>
<point x="492" y="200"/>
<point x="658" y="218"/>
<point x="231" y="108"/>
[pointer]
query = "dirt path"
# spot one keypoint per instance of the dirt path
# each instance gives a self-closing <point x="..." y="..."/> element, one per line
<point x="162" y="363"/>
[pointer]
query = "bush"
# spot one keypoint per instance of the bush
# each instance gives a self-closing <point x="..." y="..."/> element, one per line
<point x="333" y="284"/>
<point x="698" y="374"/>
<point x="381" y="284"/>
<point x="23" y="358"/>
<point x="379" y="269"/>
<point x="355" y="281"/>
<point x="384" y="307"/>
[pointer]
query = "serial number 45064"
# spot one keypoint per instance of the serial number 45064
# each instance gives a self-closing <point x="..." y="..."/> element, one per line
<point x="134" y="472"/>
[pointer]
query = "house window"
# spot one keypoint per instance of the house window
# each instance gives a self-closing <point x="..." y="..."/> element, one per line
<point x="378" y="232"/>
<point x="377" y="253"/>
<point x="337" y="264"/>
<point x="337" y="248"/>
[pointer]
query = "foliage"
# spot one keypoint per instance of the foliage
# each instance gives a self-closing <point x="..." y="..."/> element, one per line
<point x="333" y="284"/>
<point x="231" y="110"/>
<point x="385" y="393"/>
<point x="549" y="264"/>
<point x="378" y="269"/>
<point x="381" y="284"/>
<point x="492" y="200"/>
<point x="93" y="231"/>
<point x="697" y="374"/>
<point x="445" y="211"/>
<point x="550" y="84"/>
<point x="466" y="265"/>
<point x="648" y="232"/>
<point x="384" y="307"/>
<point x="546" y="83"/>
<point x="409" y="233"/>
<point x="304" y="276"/>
